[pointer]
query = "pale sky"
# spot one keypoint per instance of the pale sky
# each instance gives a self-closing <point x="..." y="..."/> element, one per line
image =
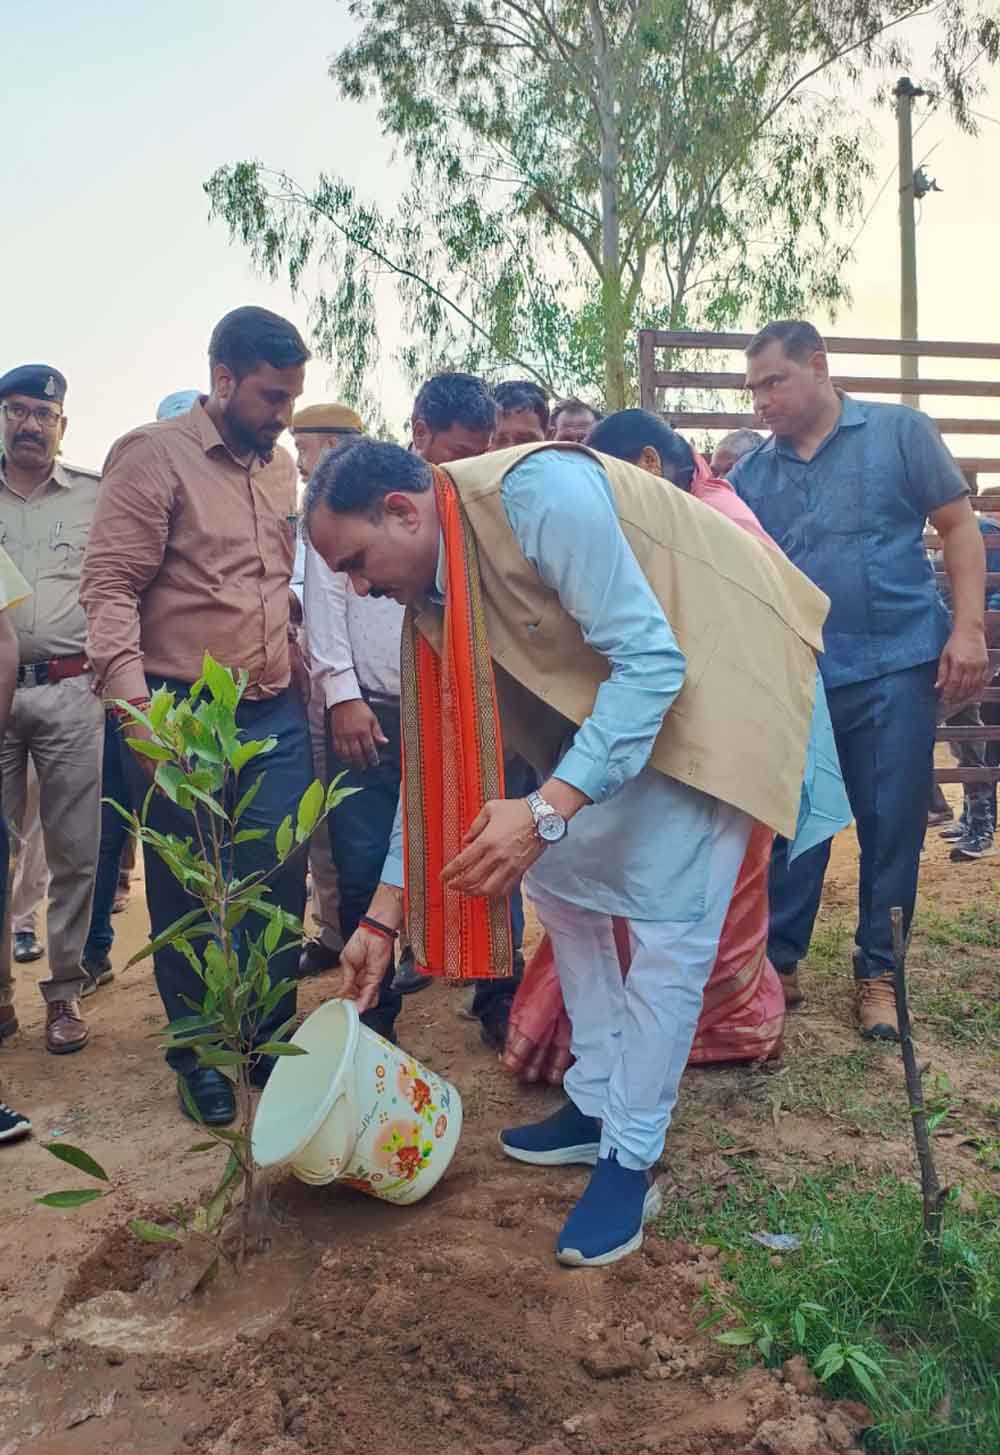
<point x="113" y="115"/>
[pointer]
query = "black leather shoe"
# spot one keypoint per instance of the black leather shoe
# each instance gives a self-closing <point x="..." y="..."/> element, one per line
<point x="27" y="947"/>
<point x="381" y="1024"/>
<point x="408" y="979"/>
<point x="317" y="959"/>
<point x="98" y="973"/>
<point x="211" y="1093"/>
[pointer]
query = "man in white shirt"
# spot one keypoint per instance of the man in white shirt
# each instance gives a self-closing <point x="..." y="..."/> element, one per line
<point x="316" y="429"/>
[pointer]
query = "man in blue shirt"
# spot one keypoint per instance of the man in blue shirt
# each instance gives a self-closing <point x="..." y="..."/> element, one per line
<point x="845" y="489"/>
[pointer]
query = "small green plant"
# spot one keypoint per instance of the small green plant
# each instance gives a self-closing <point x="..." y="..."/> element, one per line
<point x="200" y="758"/>
<point x="919" y="1342"/>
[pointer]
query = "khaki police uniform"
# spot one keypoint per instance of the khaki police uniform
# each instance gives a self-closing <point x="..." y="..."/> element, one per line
<point x="56" y="719"/>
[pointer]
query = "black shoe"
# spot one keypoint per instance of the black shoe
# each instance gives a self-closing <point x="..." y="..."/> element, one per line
<point x="98" y="973"/>
<point x="317" y="959"/>
<point x="212" y="1094"/>
<point x="493" y="1027"/>
<point x="12" y="1124"/>
<point x="408" y="979"/>
<point x="260" y="1070"/>
<point x="973" y="846"/>
<point x="27" y="947"/>
<point x="381" y="1025"/>
<point x="956" y="830"/>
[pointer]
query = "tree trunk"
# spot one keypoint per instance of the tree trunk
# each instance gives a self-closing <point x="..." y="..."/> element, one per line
<point x="612" y="302"/>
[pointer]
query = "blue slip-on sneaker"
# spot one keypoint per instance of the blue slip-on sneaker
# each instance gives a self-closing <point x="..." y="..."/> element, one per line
<point x="561" y="1139"/>
<point x="607" y="1222"/>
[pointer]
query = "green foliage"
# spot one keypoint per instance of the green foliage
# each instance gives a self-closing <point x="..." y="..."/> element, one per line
<point x="576" y="171"/>
<point x="918" y="1343"/>
<point x="196" y="744"/>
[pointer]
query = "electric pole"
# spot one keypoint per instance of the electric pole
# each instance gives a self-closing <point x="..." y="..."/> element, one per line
<point x="905" y="93"/>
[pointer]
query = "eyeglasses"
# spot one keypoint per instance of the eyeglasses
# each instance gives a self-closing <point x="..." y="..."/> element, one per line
<point x="20" y="413"/>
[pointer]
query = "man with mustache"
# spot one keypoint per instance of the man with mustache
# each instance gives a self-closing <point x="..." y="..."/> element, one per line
<point x="192" y="550"/>
<point x="845" y="488"/>
<point x="46" y="509"/>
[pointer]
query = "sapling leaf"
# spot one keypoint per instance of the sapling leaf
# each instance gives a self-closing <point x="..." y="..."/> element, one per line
<point x="76" y="1157"/>
<point x="152" y="1232"/>
<point x="283" y="838"/>
<point x="74" y="1198"/>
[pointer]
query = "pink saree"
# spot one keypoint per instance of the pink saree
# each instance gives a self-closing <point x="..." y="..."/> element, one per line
<point x="744" y="1008"/>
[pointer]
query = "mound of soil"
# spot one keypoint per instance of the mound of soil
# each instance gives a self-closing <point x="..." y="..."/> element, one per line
<point x="472" y="1341"/>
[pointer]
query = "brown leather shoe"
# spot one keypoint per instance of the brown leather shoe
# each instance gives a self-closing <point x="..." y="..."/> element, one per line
<point x="8" y="1021"/>
<point x="875" y="1003"/>
<point x="65" y="1028"/>
<point x="795" y="996"/>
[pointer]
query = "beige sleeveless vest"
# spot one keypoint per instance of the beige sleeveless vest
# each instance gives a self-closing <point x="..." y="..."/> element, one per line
<point x="748" y="622"/>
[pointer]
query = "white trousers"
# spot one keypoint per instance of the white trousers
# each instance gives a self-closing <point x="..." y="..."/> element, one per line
<point x="632" y="1039"/>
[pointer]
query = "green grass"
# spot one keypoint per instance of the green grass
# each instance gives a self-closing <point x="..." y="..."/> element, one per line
<point x="846" y="1086"/>
<point x="919" y="1344"/>
<point x="975" y="927"/>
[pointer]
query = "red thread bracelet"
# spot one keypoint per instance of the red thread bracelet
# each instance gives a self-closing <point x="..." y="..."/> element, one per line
<point x="378" y="928"/>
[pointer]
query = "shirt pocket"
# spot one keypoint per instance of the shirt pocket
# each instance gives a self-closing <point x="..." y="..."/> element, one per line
<point x="840" y="506"/>
<point x="62" y="555"/>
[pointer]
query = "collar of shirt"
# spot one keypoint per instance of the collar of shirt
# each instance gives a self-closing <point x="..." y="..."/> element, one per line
<point x="60" y="476"/>
<point x="852" y="416"/>
<point x="211" y="439"/>
<point x="437" y="592"/>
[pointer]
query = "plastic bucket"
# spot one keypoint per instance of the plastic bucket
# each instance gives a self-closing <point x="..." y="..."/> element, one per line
<point x="356" y="1110"/>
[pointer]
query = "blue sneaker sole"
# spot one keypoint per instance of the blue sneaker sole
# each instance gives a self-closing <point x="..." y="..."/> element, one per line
<point x="573" y="1258"/>
<point x="583" y="1152"/>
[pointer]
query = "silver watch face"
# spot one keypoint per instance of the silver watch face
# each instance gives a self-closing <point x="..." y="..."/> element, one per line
<point x="551" y="827"/>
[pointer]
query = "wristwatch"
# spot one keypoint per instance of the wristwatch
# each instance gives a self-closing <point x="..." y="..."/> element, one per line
<point x="550" y="826"/>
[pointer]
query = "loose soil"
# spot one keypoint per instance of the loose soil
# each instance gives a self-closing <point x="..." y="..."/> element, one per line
<point x="447" y="1327"/>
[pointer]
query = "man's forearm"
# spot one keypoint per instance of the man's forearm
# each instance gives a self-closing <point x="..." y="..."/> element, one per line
<point x="965" y="563"/>
<point x="387" y="905"/>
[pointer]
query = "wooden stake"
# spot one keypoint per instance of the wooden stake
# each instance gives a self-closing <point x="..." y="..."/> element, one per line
<point x="933" y="1193"/>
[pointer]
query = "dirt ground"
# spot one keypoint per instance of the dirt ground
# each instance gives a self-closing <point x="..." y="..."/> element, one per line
<point x="448" y="1327"/>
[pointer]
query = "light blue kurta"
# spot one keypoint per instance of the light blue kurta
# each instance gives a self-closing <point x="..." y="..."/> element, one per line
<point x="641" y="848"/>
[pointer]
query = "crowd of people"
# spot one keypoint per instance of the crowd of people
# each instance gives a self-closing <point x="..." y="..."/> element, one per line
<point x="559" y="653"/>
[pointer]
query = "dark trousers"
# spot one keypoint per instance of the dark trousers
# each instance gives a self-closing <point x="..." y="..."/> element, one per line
<point x="360" y="830"/>
<point x="980" y="799"/>
<point x="884" y="730"/>
<point x="287" y="774"/>
<point x="114" y="836"/>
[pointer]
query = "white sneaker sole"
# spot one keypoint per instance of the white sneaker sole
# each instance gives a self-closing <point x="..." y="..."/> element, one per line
<point x="20" y="1129"/>
<point x="585" y="1153"/>
<point x="573" y="1258"/>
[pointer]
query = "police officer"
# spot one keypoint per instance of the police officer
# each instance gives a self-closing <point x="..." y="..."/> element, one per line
<point x="46" y="509"/>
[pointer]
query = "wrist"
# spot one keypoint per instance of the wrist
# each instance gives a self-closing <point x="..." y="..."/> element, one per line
<point x="387" y="907"/>
<point x="564" y="798"/>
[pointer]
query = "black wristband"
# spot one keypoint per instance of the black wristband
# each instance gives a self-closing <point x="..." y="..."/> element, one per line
<point x="376" y="924"/>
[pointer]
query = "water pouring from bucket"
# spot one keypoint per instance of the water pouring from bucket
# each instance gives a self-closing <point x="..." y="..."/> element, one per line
<point x="357" y="1110"/>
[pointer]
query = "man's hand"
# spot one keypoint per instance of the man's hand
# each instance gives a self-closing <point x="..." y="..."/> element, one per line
<point x="132" y="729"/>
<point x="364" y="961"/>
<point x="356" y="733"/>
<point x="499" y="846"/>
<point x="298" y="664"/>
<point x="964" y="665"/>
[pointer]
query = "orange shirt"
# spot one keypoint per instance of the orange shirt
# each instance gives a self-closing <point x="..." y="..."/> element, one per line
<point x="190" y="550"/>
